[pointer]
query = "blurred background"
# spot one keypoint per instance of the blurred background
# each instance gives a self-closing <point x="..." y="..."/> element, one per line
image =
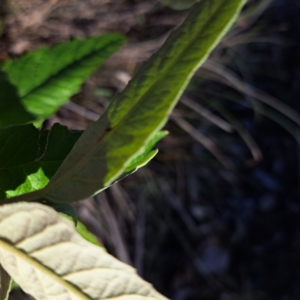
<point x="215" y="216"/>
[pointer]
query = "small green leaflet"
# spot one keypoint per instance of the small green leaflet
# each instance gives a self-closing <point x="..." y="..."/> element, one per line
<point x="47" y="78"/>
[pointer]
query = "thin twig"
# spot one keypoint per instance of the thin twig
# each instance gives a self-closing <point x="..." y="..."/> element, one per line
<point x="205" y="113"/>
<point x="140" y="231"/>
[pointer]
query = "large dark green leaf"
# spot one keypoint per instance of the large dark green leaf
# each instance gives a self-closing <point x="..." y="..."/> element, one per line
<point x="47" y="78"/>
<point x="11" y="110"/>
<point x="30" y="157"/>
<point x="106" y="148"/>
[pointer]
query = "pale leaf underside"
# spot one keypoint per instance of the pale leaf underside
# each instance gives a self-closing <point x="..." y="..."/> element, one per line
<point x="50" y="260"/>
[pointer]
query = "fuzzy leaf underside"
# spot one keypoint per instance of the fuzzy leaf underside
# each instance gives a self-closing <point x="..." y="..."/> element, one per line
<point x="47" y="78"/>
<point x="107" y="146"/>
<point x="49" y="260"/>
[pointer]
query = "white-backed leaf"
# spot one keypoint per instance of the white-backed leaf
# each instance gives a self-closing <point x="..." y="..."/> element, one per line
<point x="44" y="254"/>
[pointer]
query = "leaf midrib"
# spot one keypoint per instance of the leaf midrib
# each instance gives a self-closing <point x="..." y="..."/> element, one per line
<point x="47" y="271"/>
<point x="34" y="263"/>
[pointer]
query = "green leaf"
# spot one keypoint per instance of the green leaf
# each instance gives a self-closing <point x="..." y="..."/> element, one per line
<point x="14" y="285"/>
<point x="47" y="78"/>
<point x="69" y="212"/>
<point x="87" y="235"/>
<point x="142" y="159"/>
<point x="50" y="260"/>
<point x="30" y="157"/>
<point x="105" y="149"/>
<point x="5" y="283"/>
<point x="141" y="162"/>
<point x="66" y="210"/>
<point x="133" y="168"/>
<point x="38" y="156"/>
<point x="11" y="110"/>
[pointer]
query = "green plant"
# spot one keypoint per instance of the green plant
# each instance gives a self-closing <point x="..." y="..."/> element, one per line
<point x="41" y="172"/>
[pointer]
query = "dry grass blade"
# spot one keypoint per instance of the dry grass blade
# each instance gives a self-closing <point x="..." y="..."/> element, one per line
<point x="253" y="13"/>
<point x="176" y="203"/>
<point x="228" y="77"/>
<point x="202" y="139"/>
<point x="137" y="52"/>
<point x="270" y="113"/>
<point x="36" y="17"/>
<point x="81" y="111"/>
<point x="88" y="214"/>
<point x="123" y="201"/>
<point x="110" y="218"/>
<point x="206" y="114"/>
<point x="283" y="122"/>
<point x="245" y="20"/>
<point x="140" y="233"/>
<point x="249" y="141"/>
